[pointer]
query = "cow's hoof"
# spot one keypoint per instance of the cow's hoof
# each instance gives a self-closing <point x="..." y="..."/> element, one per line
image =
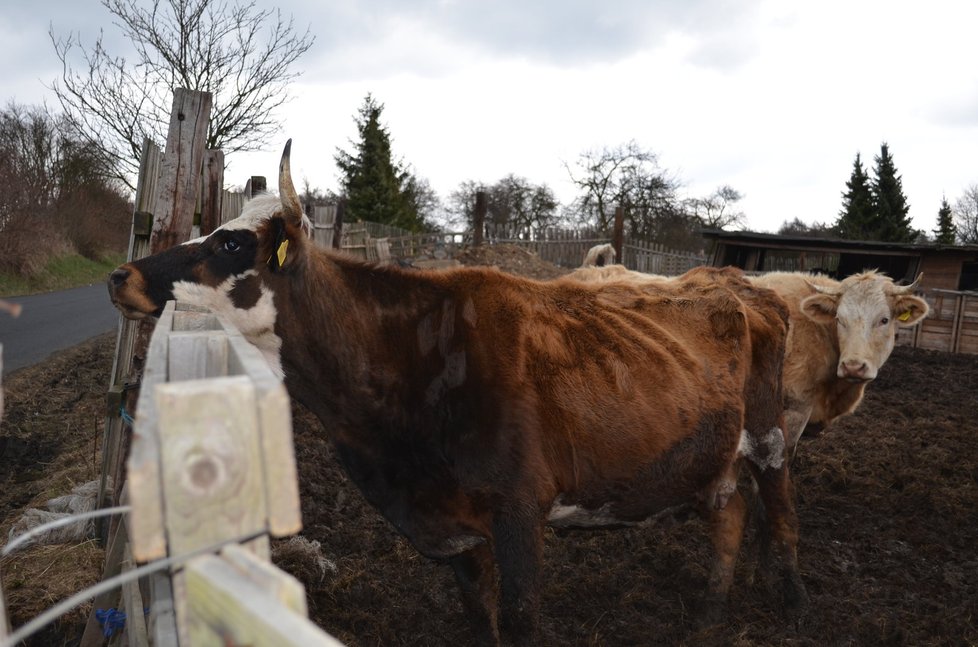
<point x="795" y="596"/>
<point x="712" y="612"/>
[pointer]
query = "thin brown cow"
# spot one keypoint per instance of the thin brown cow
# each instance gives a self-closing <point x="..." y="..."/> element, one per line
<point x="473" y="407"/>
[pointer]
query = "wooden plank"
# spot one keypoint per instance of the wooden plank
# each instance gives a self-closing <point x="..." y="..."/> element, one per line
<point x="227" y="608"/>
<point x="211" y="191"/>
<point x="132" y="602"/>
<point x="231" y="206"/>
<point x="92" y="635"/>
<point x="147" y="530"/>
<point x="180" y="171"/>
<point x="112" y="438"/>
<point x="211" y="462"/>
<point x="281" y="478"/>
<point x="162" y="621"/>
<point x="186" y="321"/>
<point x="284" y="588"/>
<point x="956" y="322"/>
<point x="197" y="355"/>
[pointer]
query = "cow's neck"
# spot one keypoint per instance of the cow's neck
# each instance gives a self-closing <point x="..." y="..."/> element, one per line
<point x="334" y="320"/>
<point x="841" y="396"/>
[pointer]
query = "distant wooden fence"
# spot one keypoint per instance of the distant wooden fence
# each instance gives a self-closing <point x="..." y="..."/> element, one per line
<point x="951" y="326"/>
<point x="652" y="258"/>
<point x="563" y="247"/>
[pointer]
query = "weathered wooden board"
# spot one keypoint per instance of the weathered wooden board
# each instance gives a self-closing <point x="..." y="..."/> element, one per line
<point x="234" y="606"/>
<point x="147" y="528"/>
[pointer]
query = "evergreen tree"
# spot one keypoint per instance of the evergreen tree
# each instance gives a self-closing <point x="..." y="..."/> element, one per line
<point x="891" y="204"/>
<point x="857" y="220"/>
<point x="376" y="188"/>
<point x="946" y="233"/>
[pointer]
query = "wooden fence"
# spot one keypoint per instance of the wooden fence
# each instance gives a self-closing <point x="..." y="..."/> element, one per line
<point x="951" y="326"/>
<point x="561" y="246"/>
<point x="211" y="462"/>
<point x="652" y="258"/>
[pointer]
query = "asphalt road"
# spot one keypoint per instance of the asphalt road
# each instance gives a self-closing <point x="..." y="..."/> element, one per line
<point x="54" y="321"/>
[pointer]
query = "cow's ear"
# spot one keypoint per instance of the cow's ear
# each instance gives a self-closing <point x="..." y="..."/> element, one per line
<point x="279" y="255"/>
<point x="909" y="309"/>
<point x="820" y="308"/>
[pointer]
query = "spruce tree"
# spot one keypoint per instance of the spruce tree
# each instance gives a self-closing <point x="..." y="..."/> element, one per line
<point x="857" y="220"/>
<point x="946" y="233"/>
<point x="892" y="210"/>
<point x="376" y="188"/>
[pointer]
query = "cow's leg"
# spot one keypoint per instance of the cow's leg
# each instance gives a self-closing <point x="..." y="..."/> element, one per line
<point x="780" y="557"/>
<point x="477" y="582"/>
<point x="796" y="416"/>
<point x="727" y="530"/>
<point x="518" y="537"/>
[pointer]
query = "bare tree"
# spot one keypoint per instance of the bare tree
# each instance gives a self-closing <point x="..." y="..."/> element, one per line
<point x="630" y="177"/>
<point x="513" y="201"/>
<point x="966" y="215"/>
<point x="242" y="55"/>
<point x="718" y="210"/>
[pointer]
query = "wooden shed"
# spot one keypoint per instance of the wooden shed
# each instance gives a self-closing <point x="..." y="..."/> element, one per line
<point x="949" y="283"/>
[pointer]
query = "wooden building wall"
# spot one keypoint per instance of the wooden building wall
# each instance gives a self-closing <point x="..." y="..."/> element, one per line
<point x="942" y="270"/>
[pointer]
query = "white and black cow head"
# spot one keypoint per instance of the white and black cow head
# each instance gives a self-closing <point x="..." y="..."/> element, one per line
<point x="231" y="271"/>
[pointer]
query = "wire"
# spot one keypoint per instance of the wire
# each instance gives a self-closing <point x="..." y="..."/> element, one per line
<point x="60" y="609"/>
<point x="57" y="523"/>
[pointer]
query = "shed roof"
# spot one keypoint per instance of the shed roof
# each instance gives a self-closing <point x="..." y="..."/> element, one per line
<point x="750" y="238"/>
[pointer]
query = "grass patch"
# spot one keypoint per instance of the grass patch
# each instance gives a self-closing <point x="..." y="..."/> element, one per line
<point x="61" y="273"/>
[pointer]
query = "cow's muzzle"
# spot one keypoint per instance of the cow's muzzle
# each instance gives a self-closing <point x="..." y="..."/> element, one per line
<point x="856" y="371"/>
<point x="127" y="296"/>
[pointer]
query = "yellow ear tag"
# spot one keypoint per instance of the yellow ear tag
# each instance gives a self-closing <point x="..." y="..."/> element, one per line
<point x="284" y="247"/>
<point x="904" y="316"/>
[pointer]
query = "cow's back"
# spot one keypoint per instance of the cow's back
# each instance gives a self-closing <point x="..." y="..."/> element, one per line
<point x="625" y="380"/>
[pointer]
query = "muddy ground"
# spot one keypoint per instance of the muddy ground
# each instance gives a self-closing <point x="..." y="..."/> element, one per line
<point x="887" y="501"/>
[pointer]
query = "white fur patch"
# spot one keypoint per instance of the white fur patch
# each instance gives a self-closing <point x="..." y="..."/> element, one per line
<point x="257" y="324"/>
<point x="573" y="516"/>
<point x="765" y="451"/>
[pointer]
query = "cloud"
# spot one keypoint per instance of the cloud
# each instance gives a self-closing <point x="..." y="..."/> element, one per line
<point x="382" y="38"/>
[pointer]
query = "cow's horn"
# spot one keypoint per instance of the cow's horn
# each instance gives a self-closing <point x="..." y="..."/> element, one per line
<point x="907" y="289"/>
<point x="286" y="190"/>
<point x="824" y="290"/>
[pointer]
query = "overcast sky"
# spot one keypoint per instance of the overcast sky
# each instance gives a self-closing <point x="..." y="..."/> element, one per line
<point x="773" y="98"/>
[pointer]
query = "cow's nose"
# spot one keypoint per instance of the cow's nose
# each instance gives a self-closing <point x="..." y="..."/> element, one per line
<point x="854" y="368"/>
<point x="118" y="277"/>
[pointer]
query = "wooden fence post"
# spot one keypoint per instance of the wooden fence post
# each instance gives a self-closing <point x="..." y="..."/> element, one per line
<point x="256" y="184"/>
<point x="618" y="234"/>
<point x="180" y="173"/>
<point x="212" y="191"/>
<point x="166" y="197"/>
<point x="338" y="222"/>
<point x="113" y="443"/>
<point x="479" y="221"/>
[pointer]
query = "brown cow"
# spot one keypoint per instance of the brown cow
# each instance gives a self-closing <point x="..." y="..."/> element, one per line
<point x="473" y="407"/>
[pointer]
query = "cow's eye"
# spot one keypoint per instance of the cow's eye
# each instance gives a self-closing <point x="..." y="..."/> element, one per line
<point x="884" y="321"/>
<point x="231" y="245"/>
